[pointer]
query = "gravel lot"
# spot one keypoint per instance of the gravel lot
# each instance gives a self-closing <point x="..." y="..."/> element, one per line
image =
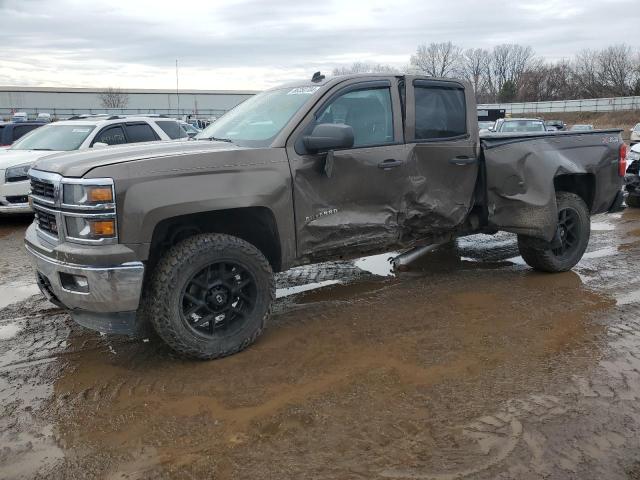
<point x="469" y="365"/>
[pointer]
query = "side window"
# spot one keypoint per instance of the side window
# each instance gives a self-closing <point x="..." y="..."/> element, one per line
<point x="111" y="136"/>
<point x="140" y="132"/>
<point x="440" y="112"/>
<point x="21" y="130"/>
<point x="367" y="111"/>
<point x="171" y="128"/>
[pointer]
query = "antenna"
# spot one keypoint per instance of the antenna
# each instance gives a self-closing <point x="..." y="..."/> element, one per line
<point x="317" y="77"/>
<point x="177" y="90"/>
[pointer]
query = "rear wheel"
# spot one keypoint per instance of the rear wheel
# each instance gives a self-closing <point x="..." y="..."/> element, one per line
<point x="211" y="296"/>
<point x="574" y="227"/>
<point x="633" y="201"/>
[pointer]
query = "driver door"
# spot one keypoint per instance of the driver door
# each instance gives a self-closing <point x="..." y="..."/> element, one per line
<point x="351" y="200"/>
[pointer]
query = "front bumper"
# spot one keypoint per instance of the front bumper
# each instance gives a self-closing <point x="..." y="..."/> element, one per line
<point x="13" y="196"/>
<point x="107" y="303"/>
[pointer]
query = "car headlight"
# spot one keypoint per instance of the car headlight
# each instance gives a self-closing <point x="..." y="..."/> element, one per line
<point x="90" y="228"/>
<point x="17" y="173"/>
<point x="87" y="195"/>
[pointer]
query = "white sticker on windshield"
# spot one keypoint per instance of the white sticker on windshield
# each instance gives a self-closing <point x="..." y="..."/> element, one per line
<point x="303" y="90"/>
<point x="80" y="130"/>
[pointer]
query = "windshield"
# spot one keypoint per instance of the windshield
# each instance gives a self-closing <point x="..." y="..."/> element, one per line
<point x="54" y="137"/>
<point x="637" y="128"/>
<point x="522" y="126"/>
<point x="256" y="121"/>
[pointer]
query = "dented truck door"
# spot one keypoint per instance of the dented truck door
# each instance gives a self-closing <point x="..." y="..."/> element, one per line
<point x="350" y="200"/>
<point x="442" y="144"/>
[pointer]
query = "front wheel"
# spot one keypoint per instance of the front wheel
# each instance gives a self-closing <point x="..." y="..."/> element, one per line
<point x="211" y="295"/>
<point x="574" y="227"/>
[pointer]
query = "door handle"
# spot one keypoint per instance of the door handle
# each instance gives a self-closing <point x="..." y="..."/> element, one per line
<point x="390" y="163"/>
<point x="463" y="160"/>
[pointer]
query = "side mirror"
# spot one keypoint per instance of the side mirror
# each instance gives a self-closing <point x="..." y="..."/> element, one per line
<point x="100" y="145"/>
<point x="329" y="136"/>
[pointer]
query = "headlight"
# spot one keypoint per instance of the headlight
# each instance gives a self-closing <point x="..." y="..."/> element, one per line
<point x="90" y="195"/>
<point x="17" y="173"/>
<point x="90" y="228"/>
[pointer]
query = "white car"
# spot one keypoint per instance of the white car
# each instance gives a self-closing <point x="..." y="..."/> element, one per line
<point x="635" y="135"/>
<point x="77" y="133"/>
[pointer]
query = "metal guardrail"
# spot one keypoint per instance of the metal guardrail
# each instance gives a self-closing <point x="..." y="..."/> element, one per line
<point x="61" y="113"/>
<point x="585" y="105"/>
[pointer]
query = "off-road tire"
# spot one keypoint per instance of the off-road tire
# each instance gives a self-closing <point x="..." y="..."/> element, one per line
<point x="175" y="268"/>
<point x="633" y="201"/>
<point x="540" y="256"/>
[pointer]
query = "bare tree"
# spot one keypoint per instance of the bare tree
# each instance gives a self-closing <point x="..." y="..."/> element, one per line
<point x="474" y="67"/>
<point x="364" y="67"/>
<point x="616" y="70"/>
<point x="113" y="98"/>
<point x="508" y="64"/>
<point x="437" y="60"/>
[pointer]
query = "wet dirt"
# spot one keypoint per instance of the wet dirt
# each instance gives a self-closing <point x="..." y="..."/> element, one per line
<point x="469" y="365"/>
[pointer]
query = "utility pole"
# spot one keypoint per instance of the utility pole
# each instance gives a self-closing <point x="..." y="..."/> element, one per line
<point x="177" y="90"/>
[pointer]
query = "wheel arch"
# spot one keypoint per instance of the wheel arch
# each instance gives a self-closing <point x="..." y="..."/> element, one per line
<point x="582" y="184"/>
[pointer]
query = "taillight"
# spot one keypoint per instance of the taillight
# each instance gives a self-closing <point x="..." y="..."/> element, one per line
<point x="622" y="160"/>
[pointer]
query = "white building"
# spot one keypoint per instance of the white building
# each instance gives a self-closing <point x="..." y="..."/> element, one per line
<point x="64" y="102"/>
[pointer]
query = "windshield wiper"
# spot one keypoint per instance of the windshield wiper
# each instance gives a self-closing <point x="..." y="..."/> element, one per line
<point x="43" y="149"/>
<point x="215" y="139"/>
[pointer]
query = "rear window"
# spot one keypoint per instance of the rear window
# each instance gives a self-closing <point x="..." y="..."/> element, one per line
<point x="522" y="126"/>
<point x="171" y="128"/>
<point x="440" y="111"/>
<point x="140" y="132"/>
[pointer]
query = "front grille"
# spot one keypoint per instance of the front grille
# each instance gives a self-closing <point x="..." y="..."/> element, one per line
<point x="46" y="222"/>
<point x="42" y="189"/>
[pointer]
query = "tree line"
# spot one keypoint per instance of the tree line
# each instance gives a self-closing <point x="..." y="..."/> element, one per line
<point x="514" y="73"/>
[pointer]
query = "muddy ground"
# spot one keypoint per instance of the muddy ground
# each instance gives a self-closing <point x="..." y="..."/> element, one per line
<point x="470" y="365"/>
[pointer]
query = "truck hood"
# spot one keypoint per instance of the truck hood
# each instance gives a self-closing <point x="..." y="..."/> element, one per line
<point x="11" y="158"/>
<point x="78" y="163"/>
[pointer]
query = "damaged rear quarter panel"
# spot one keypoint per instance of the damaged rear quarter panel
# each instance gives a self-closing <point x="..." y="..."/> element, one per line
<point x="520" y="173"/>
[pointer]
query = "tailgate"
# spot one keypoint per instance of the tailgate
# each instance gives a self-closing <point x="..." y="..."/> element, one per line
<point x="522" y="172"/>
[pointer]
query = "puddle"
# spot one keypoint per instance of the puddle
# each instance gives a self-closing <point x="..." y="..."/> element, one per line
<point x="9" y="331"/>
<point x="601" y="227"/>
<point x="285" y="292"/>
<point x="14" y="292"/>
<point x="628" y="298"/>
<point x="377" y="264"/>
<point x="603" y="252"/>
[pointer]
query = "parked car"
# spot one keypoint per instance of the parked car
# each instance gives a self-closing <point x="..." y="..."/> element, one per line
<point x="632" y="177"/>
<point x="520" y="125"/>
<point x="84" y="132"/>
<point x="20" y="117"/>
<point x="187" y="235"/>
<point x="13" y="131"/>
<point x="558" y="125"/>
<point x="581" y="128"/>
<point x="635" y="135"/>
<point x="43" y="117"/>
<point x="485" y="126"/>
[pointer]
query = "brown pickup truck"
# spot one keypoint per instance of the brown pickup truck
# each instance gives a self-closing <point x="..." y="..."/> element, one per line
<point x="187" y="236"/>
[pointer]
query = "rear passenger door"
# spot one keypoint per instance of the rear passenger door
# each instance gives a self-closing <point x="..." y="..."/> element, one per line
<point x="442" y="138"/>
<point x="129" y="132"/>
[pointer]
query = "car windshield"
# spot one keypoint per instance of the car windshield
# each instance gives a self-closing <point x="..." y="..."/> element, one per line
<point x="256" y="121"/>
<point x="522" y="126"/>
<point x="54" y="137"/>
<point x="637" y="128"/>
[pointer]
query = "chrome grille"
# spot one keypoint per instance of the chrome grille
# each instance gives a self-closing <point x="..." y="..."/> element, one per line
<point x="46" y="222"/>
<point x="42" y="189"/>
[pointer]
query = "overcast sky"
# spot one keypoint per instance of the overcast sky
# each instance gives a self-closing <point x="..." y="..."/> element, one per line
<point x="253" y="44"/>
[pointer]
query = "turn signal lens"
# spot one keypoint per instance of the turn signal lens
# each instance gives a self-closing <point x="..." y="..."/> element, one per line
<point x="99" y="195"/>
<point x="103" y="228"/>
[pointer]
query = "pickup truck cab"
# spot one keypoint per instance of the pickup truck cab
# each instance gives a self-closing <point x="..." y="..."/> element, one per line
<point x="186" y="236"/>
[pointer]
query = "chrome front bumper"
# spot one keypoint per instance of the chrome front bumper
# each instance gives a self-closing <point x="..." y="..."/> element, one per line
<point x="111" y="298"/>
